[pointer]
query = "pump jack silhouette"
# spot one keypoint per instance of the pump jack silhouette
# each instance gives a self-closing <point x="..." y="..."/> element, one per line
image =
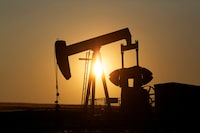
<point x="94" y="44"/>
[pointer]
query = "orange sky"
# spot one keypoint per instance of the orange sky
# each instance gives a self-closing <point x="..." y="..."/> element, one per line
<point x="167" y="31"/>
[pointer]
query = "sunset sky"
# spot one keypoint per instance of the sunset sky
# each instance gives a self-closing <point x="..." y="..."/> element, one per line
<point x="168" y="33"/>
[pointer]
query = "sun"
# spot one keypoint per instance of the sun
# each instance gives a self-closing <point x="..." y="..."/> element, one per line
<point x="97" y="69"/>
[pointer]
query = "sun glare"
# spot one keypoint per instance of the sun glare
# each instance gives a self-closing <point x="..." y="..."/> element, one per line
<point x="97" y="68"/>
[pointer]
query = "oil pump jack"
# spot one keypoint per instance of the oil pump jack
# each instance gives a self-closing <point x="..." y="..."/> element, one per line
<point x="119" y="77"/>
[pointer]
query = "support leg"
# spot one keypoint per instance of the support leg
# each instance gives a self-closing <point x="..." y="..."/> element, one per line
<point x="105" y="85"/>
